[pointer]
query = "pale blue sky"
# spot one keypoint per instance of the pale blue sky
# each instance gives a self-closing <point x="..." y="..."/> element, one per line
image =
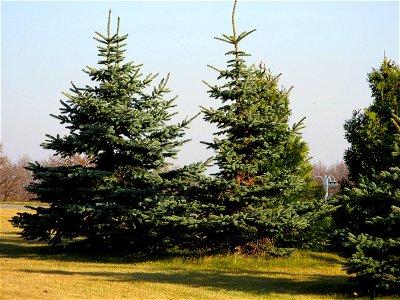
<point x="323" y="49"/>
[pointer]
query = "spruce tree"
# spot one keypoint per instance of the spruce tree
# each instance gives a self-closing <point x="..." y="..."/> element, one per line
<point x="263" y="189"/>
<point x="370" y="231"/>
<point x="370" y="132"/>
<point x="368" y="221"/>
<point x="128" y="196"/>
<point x="371" y="241"/>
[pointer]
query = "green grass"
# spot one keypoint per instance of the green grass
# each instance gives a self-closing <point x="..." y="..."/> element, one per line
<point x="29" y="270"/>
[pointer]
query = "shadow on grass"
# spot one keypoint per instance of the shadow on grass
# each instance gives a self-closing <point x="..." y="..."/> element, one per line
<point x="13" y="246"/>
<point x="258" y="282"/>
<point x="263" y="284"/>
<point x="330" y="260"/>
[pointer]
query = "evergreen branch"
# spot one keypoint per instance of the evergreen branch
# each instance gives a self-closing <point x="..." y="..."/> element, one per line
<point x="51" y="137"/>
<point x="99" y="40"/>
<point x="206" y="110"/>
<point x="61" y="118"/>
<point x="228" y="37"/>
<point x="208" y="162"/>
<point x="209" y="145"/>
<point x="169" y="116"/>
<point x="239" y="53"/>
<point x="70" y="97"/>
<point x="242" y="53"/>
<point x="66" y="106"/>
<point x="114" y="39"/>
<point x="224" y="40"/>
<point x="299" y="125"/>
<point x="149" y="78"/>
<point x="192" y="118"/>
<point x="396" y="121"/>
<point x="163" y="83"/>
<point x="102" y="36"/>
<point x="122" y="38"/>
<point x="171" y="101"/>
<point x="75" y="89"/>
<point x="209" y="85"/>
<point x="276" y="78"/>
<point x="214" y="68"/>
<point x="91" y="71"/>
<point x="244" y="34"/>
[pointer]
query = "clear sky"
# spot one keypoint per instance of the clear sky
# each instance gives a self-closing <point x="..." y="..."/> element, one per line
<point x="324" y="49"/>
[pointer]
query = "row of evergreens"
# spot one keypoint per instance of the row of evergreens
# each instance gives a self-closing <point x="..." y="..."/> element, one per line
<point x="262" y="199"/>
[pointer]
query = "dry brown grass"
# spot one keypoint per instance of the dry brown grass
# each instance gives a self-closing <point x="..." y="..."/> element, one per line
<point x="30" y="271"/>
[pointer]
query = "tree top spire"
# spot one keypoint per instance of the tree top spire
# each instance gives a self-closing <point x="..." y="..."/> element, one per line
<point x="234" y="32"/>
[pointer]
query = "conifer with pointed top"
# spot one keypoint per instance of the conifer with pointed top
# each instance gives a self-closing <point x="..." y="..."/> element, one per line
<point x="128" y="196"/>
<point x="370" y="132"/>
<point x="368" y="220"/>
<point x="264" y="184"/>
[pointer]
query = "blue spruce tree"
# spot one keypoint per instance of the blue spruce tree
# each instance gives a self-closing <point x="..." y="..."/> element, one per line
<point x="128" y="197"/>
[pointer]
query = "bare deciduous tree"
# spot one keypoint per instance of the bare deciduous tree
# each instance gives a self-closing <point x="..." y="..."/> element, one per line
<point x="13" y="179"/>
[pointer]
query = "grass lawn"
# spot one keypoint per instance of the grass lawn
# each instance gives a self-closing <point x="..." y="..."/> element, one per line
<point x="28" y="270"/>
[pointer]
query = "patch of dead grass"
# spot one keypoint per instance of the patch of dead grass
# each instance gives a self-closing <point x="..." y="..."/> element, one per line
<point x="28" y="271"/>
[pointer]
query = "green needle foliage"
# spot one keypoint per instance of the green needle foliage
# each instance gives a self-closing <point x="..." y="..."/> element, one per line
<point x="368" y="220"/>
<point x="371" y="239"/>
<point x="371" y="132"/>
<point x="129" y="196"/>
<point x="263" y="189"/>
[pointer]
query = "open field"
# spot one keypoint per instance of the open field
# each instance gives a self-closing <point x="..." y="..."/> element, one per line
<point x="30" y="271"/>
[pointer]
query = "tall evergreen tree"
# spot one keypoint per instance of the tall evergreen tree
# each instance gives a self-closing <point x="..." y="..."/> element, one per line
<point x="368" y="220"/>
<point x="264" y="173"/>
<point x="370" y="231"/>
<point x="127" y="196"/>
<point x="370" y="132"/>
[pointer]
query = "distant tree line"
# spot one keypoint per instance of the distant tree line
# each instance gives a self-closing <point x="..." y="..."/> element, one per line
<point x="14" y="179"/>
<point x="15" y="176"/>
